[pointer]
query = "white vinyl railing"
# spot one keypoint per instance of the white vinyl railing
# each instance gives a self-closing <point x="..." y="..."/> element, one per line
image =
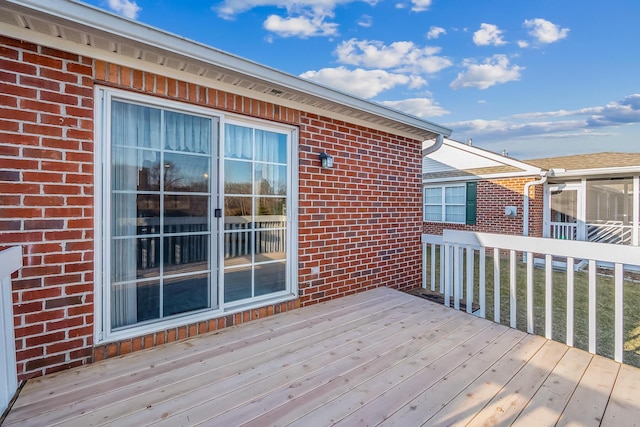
<point x="564" y="231"/>
<point x="10" y="261"/>
<point x="459" y="250"/>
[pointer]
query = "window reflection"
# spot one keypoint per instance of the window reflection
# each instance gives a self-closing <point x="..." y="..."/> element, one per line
<point x="271" y="278"/>
<point x="184" y="173"/>
<point x="135" y="170"/>
<point x="186" y="294"/>
<point x="237" y="177"/>
<point x="271" y="179"/>
<point x="183" y="213"/>
<point x="184" y="254"/>
<point x="270" y="245"/>
<point x="237" y="284"/>
<point x="135" y="214"/>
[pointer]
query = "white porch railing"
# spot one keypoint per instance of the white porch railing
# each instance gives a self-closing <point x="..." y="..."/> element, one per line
<point x="10" y="261"/>
<point x="564" y="231"/>
<point x="460" y="251"/>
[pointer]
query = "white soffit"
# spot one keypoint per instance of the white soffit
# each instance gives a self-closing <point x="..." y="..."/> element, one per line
<point x="84" y="29"/>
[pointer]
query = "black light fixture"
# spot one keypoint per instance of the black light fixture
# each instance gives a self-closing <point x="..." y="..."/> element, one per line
<point x="326" y="160"/>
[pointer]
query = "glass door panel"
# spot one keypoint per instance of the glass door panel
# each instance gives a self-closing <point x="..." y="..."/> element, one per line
<point x="162" y="235"/>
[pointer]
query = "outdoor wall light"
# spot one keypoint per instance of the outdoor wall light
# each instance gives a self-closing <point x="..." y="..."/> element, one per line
<point x="327" y="160"/>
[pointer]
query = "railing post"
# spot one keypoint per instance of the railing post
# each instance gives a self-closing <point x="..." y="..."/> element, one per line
<point x="619" y="313"/>
<point x="592" y="306"/>
<point x="10" y="261"/>
<point x="424" y="264"/>
<point x="447" y="275"/>
<point x="570" y="299"/>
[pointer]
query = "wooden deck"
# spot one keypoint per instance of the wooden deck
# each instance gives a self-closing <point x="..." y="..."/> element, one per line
<point x="381" y="357"/>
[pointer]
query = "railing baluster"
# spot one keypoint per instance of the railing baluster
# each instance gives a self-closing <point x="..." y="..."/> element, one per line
<point x="483" y="290"/>
<point x="619" y="313"/>
<point x="592" y="306"/>
<point x="530" y="292"/>
<point x="424" y="264"/>
<point x="570" y="309"/>
<point x="512" y="288"/>
<point x="496" y="285"/>
<point x="457" y="277"/>
<point x="442" y="270"/>
<point x="470" y="265"/>
<point x="548" y="295"/>
<point x="433" y="266"/>
<point x="447" y="273"/>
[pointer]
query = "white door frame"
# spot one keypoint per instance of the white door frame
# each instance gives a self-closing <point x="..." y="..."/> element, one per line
<point x="581" y="210"/>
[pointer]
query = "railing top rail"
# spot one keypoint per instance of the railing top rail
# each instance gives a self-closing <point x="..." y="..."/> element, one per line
<point x="433" y="239"/>
<point x="623" y="254"/>
<point x="10" y="261"/>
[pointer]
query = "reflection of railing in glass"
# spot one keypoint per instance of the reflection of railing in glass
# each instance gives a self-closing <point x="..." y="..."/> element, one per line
<point x="270" y="235"/>
<point x="178" y="249"/>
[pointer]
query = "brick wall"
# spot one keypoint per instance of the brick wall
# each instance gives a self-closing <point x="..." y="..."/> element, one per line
<point x="360" y="222"/>
<point x="493" y="197"/>
<point x="46" y="201"/>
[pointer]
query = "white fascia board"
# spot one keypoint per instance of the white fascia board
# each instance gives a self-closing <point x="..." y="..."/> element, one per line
<point x="586" y="173"/>
<point x="97" y="19"/>
<point x="481" y="177"/>
<point x="529" y="169"/>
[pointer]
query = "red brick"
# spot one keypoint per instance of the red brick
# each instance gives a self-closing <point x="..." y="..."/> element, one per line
<point x="32" y="104"/>
<point x="17" y="66"/>
<point x="60" y="54"/>
<point x="39" y="83"/>
<point x="43" y="201"/>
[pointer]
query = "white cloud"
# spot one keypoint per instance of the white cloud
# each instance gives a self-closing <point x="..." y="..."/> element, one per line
<point x="617" y="113"/>
<point x="300" y="26"/>
<point x="229" y="8"/>
<point x="401" y="55"/>
<point x="435" y="32"/>
<point x="303" y="18"/>
<point x="127" y="8"/>
<point x="420" y="107"/>
<point x="488" y="34"/>
<point x="359" y="82"/>
<point x="420" y="5"/>
<point x="593" y="123"/>
<point x="545" y="31"/>
<point x="523" y="44"/>
<point x="365" y="21"/>
<point x="494" y="70"/>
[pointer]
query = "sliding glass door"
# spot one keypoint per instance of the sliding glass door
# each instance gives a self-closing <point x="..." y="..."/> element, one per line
<point x="162" y="232"/>
<point x="197" y="214"/>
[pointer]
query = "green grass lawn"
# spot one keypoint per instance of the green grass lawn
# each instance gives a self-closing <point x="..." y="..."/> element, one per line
<point x="604" y="303"/>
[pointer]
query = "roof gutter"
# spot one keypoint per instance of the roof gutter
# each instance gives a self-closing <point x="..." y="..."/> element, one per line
<point x="620" y="170"/>
<point x="97" y="19"/>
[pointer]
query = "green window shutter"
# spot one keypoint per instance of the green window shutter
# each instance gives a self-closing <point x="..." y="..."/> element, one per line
<point x="472" y="192"/>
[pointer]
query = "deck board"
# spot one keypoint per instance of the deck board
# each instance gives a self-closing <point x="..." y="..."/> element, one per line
<point x="380" y="357"/>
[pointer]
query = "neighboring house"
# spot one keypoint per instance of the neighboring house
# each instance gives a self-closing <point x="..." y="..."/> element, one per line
<point x="593" y="197"/>
<point x="468" y="188"/>
<point x="160" y="188"/>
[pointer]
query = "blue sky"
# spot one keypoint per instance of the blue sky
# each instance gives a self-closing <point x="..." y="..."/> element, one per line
<point x="538" y="78"/>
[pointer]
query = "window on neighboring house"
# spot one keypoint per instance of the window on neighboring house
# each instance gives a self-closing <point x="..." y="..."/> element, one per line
<point x="454" y="203"/>
<point x="170" y="169"/>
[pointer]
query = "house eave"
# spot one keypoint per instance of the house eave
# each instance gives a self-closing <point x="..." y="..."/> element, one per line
<point x="87" y="26"/>
<point x="600" y="172"/>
